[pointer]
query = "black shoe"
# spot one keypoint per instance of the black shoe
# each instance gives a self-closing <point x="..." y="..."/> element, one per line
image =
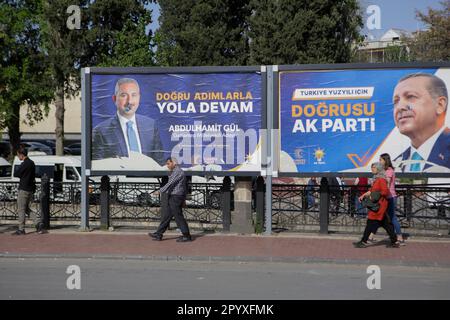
<point x="393" y="245"/>
<point x="184" y="239"/>
<point x="360" y="244"/>
<point x="155" y="236"/>
<point x="18" y="233"/>
<point x="40" y="229"/>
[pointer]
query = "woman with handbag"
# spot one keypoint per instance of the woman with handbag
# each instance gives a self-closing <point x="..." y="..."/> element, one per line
<point x="376" y="201"/>
<point x="385" y="160"/>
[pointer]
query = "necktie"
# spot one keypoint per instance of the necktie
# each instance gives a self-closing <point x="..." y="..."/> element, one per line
<point x="132" y="139"/>
<point x="415" y="166"/>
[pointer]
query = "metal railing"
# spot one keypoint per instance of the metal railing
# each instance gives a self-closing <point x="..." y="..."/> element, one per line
<point x="128" y="202"/>
<point x="294" y="207"/>
<point x="297" y="207"/>
<point x="142" y="202"/>
<point x="64" y="200"/>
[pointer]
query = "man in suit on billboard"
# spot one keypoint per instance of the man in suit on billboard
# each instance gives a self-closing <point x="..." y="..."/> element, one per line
<point x="126" y="131"/>
<point x="420" y="106"/>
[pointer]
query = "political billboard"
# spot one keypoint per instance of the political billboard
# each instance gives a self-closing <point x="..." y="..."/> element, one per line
<point x="207" y="121"/>
<point x="341" y="120"/>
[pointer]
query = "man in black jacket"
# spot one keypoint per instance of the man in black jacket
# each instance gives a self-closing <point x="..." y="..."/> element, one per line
<point x="27" y="186"/>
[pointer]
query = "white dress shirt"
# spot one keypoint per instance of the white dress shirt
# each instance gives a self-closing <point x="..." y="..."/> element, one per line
<point x="425" y="149"/>
<point x="123" y="123"/>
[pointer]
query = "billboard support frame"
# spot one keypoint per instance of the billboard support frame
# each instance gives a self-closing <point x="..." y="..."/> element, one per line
<point x="85" y="147"/>
<point x="272" y="98"/>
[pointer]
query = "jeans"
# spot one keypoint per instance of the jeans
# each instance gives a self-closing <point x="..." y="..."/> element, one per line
<point x="359" y="208"/>
<point x="310" y="197"/>
<point x="391" y="212"/>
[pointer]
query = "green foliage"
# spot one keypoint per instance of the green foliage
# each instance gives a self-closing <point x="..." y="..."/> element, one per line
<point x="115" y="31"/>
<point x="61" y="45"/>
<point x="302" y="31"/>
<point x="396" y="53"/>
<point x="432" y="44"/>
<point x="222" y="32"/>
<point x="132" y="47"/>
<point x="24" y="70"/>
<point x="101" y="40"/>
<point x="112" y="33"/>
<point x="410" y="181"/>
<point x="203" y="32"/>
<point x="391" y="53"/>
<point x="42" y="56"/>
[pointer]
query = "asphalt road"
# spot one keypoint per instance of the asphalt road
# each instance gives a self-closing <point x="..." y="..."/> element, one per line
<point x="39" y="278"/>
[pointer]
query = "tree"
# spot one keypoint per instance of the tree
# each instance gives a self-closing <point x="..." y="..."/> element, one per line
<point x="24" y="71"/>
<point x="303" y="31"/>
<point x="98" y="40"/>
<point x="203" y="32"/>
<point x="132" y="48"/>
<point x="62" y="47"/>
<point x="432" y="44"/>
<point x="397" y="52"/>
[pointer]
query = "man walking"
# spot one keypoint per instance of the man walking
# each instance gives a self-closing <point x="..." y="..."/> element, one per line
<point x="176" y="193"/>
<point x="27" y="186"/>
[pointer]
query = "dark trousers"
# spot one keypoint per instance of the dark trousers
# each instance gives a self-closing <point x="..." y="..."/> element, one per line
<point x="174" y="209"/>
<point x="392" y="217"/>
<point x="373" y="225"/>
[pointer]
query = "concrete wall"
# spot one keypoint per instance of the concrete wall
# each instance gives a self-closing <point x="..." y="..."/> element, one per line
<point x="72" y="119"/>
<point x="46" y="128"/>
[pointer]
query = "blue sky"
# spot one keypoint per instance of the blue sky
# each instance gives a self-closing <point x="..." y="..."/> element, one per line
<point x="155" y="14"/>
<point x="399" y="14"/>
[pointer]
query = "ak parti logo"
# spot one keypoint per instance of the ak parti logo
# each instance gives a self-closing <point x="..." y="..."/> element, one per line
<point x="319" y="154"/>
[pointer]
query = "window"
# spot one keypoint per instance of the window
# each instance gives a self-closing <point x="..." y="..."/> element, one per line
<point x="41" y="170"/>
<point x="71" y="174"/>
<point x="5" y="171"/>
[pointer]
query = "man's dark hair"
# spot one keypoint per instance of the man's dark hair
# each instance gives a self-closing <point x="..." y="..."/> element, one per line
<point x="437" y="86"/>
<point x="23" y="151"/>
<point x="172" y="160"/>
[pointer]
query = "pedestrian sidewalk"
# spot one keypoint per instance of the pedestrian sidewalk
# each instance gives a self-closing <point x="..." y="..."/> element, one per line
<point x="311" y="248"/>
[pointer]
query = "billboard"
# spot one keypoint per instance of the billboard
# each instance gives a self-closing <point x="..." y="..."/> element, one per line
<point x="342" y="120"/>
<point x="208" y="121"/>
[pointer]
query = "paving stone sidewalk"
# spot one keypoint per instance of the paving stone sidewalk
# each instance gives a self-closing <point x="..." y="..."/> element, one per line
<point x="223" y="247"/>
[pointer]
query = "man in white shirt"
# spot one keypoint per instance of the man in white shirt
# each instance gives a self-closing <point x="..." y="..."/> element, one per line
<point x="420" y="106"/>
<point x="127" y="132"/>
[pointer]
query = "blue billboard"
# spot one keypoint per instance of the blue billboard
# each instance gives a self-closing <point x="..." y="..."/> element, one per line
<point x="207" y="121"/>
<point x="343" y="120"/>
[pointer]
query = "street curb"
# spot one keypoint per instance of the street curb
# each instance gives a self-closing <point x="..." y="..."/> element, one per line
<point x="238" y="259"/>
<point x="423" y="239"/>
